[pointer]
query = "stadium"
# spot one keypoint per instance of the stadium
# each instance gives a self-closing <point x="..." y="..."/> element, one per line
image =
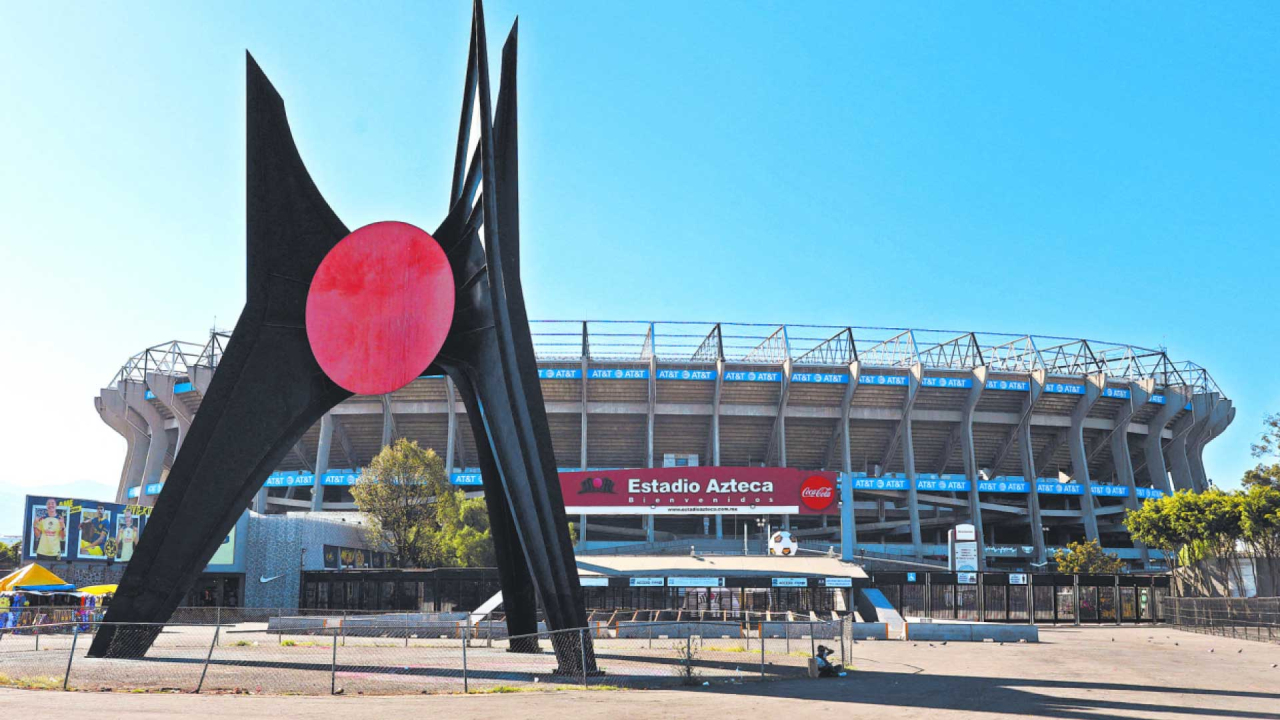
<point x="1037" y="441"/>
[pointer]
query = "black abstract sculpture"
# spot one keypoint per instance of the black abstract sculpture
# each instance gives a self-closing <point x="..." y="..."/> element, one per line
<point x="270" y="388"/>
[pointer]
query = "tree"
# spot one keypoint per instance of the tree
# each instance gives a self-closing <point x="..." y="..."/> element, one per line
<point x="1262" y="475"/>
<point x="1087" y="557"/>
<point x="10" y="555"/>
<point x="414" y="512"/>
<point x="1268" y="446"/>
<point x="396" y="493"/>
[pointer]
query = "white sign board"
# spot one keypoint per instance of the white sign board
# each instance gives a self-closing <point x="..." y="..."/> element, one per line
<point x="695" y="582"/>
<point x="647" y="582"/>
<point x="593" y="581"/>
<point x="967" y="578"/>
<point x="1017" y="578"/>
<point x="838" y="582"/>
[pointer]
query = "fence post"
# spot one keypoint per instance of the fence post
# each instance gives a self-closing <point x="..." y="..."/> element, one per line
<point x="333" y="667"/>
<point x="762" y="651"/>
<point x="1075" y="598"/>
<point x="466" y="687"/>
<point x="813" y="651"/>
<point x="651" y="636"/>
<point x="843" y="659"/>
<point x="75" y="630"/>
<point x="490" y="642"/>
<point x="1031" y="602"/>
<point x="928" y="595"/>
<point x="208" y="657"/>
<point x="582" y="647"/>
<point x="37" y="637"/>
<point x="1119" y="602"/>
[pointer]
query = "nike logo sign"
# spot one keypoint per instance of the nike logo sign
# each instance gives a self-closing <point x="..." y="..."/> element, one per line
<point x="265" y="579"/>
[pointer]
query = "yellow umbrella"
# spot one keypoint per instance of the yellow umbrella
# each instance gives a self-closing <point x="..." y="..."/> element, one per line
<point x="99" y="589"/>
<point x="31" y="574"/>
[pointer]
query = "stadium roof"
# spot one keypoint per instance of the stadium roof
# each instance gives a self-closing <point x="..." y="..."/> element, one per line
<point x="705" y="343"/>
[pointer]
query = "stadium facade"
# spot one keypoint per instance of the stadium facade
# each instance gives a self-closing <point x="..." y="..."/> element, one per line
<point x="671" y="434"/>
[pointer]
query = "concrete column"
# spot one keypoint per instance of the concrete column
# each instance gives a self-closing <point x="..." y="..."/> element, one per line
<point x="582" y="528"/>
<point x="388" y="422"/>
<point x="582" y="460"/>
<point x="1176" y="451"/>
<point x="653" y="402"/>
<point x="909" y="469"/>
<point x="1035" y="392"/>
<point x="134" y="394"/>
<point x="322" y="461"/>
<point x="1175" y="398"/>
<point x="779" y="442"/>
<point x="1205" y="406"/>
<point x="849" y="516"/>
<point x="848" y="540"/>
<point x="1093" y="387"/>
<point x="971" y="463"/>
<point x="116" y="414"/>
<point x="163" y="386"/>
<point x="715" y="435"/>
<point x="200" y="379"/>
<point x="451" y="434"/>
<point x="1219" y="418"/>
<point x="1121" y="458"/>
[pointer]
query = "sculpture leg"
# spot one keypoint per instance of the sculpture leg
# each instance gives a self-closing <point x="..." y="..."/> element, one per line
<point x="519" y="593"/>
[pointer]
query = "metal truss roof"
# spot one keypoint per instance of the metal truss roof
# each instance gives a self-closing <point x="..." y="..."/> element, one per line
<point x="705" y="343"/>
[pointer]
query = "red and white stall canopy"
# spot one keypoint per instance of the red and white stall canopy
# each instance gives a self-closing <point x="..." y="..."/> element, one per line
<point x="694" y="490"/>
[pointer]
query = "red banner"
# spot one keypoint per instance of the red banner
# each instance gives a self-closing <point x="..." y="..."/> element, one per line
<point x="693" y="490"/>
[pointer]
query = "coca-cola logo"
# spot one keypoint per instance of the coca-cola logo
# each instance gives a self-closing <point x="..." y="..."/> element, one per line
<point x="817" y="492"/>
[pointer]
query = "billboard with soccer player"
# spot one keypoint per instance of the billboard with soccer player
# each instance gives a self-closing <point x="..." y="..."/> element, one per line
<point x="62" y="529"/>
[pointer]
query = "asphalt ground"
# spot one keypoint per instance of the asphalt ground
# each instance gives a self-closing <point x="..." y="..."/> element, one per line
<point x="1149" y="672"/>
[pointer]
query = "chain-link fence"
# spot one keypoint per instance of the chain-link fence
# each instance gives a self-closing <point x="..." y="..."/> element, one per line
<point x="1245" y="618"/>
<point x="367" y="656"/>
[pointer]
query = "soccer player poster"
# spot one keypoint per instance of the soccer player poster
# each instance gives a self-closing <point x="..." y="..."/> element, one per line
<point x="48" y="542"/>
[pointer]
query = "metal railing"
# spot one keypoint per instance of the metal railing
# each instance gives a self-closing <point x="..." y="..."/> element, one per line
<point x="1244" y="618"/>
<point x="704" y="343"/>
<point x="409" y="658"/>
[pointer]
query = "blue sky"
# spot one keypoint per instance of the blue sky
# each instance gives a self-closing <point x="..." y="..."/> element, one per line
<point x="1078" y="169"/>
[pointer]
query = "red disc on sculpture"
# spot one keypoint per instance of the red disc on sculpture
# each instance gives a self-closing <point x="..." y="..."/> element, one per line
<point x="380" y="307"/>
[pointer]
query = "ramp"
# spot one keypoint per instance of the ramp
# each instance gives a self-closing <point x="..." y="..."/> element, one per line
<point x="874" y="607"/>
<point x="485" y="609"/>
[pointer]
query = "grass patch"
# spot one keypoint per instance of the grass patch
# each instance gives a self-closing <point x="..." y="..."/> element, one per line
<point x="35" y="682"/>
<point x="296" y="643"/>
<point x="730" y="648"/>
<point x="243" y="643"/>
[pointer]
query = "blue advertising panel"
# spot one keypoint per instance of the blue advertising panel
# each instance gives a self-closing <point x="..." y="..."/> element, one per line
<point x="68" y="529"/>
<point x="695" y="375"/>
<point x="887" y="380"/>
<point x="153" y="488"/>
<point x="618" y="374"/>
<point x="466" y="479"/>
<point x="943" y="484"/>
<point x="1148" y="493"/>
<point x="559" y="374"/>
<point x="823" y="378"/>
<point x="947" y="382"/>
<point x="1004" y="485"/>
<point x="1014" y="385"/>
<point x="881" y="483"/>
<point x="1109" y="490"/>
<point x="1122" y="393"/>
<point x="1047" y="487"/>
<point x="290" y="478"/>
<point x="751" y="376"/>
<point x="1064" y="388"/>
